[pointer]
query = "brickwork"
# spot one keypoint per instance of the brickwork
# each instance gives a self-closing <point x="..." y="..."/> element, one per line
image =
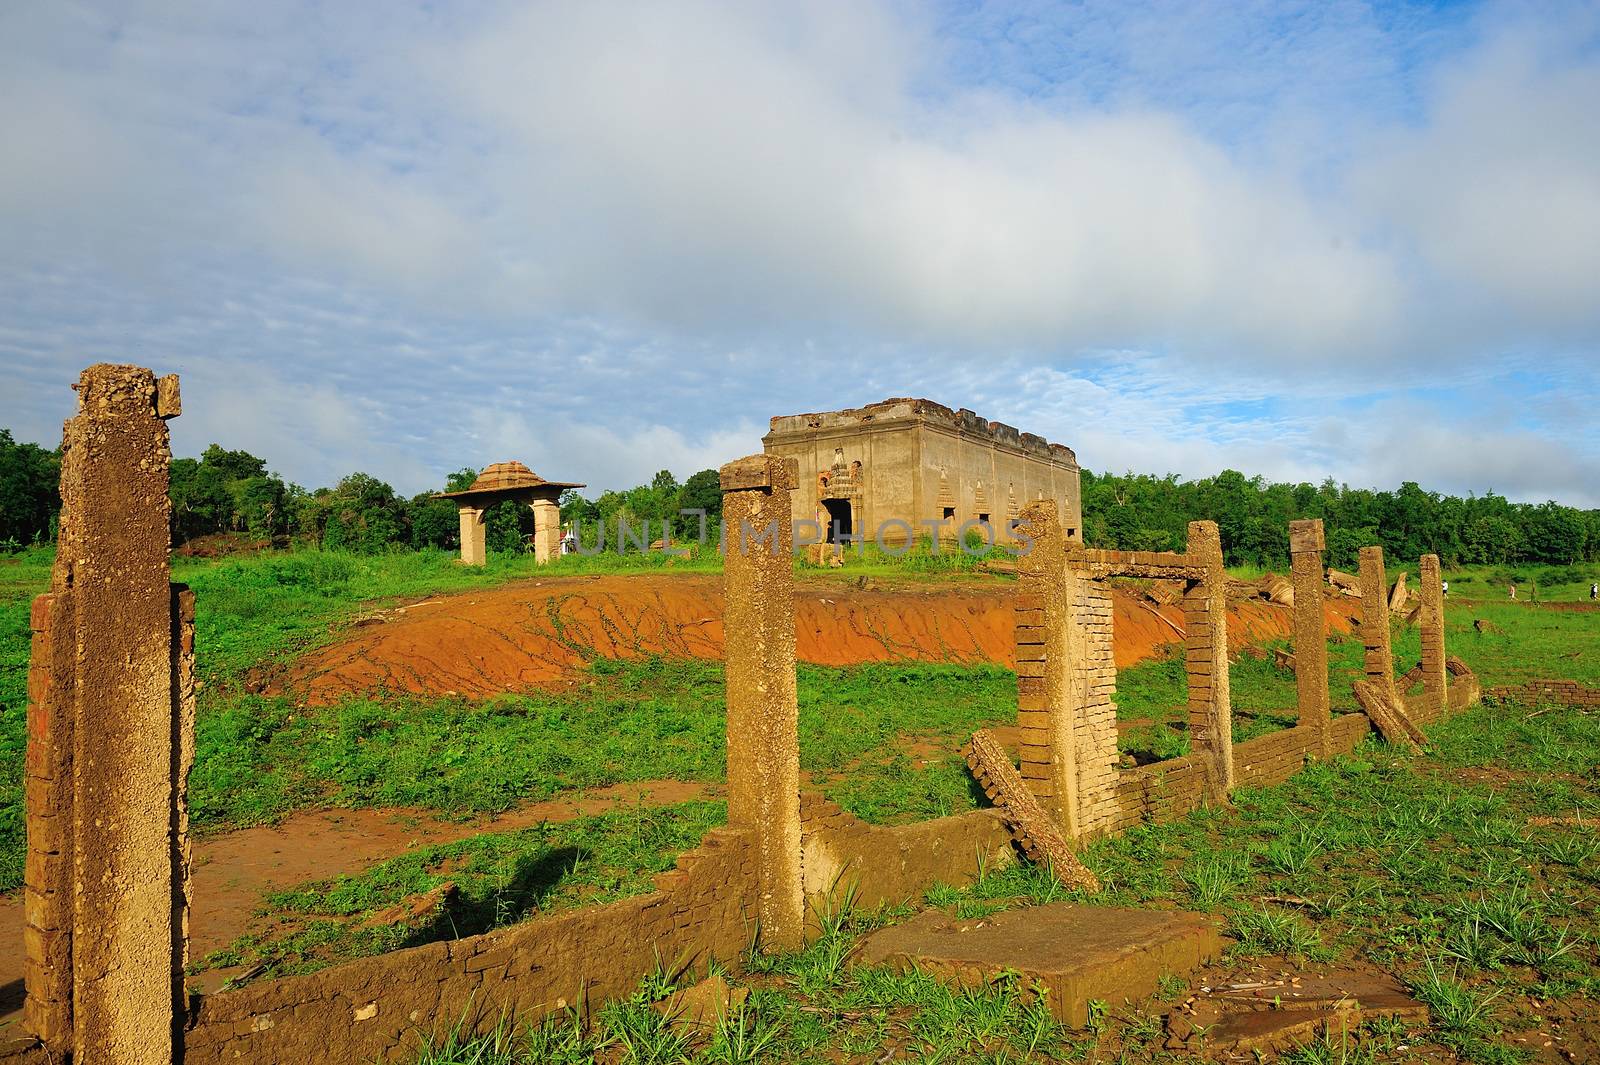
<point x="1310" y="628"/>
<point x="895" y="864"/>
<point x="1379" y="665"/>
<point x="1036" y="831"/>
<point x="47" y="898"/>
<point x="763" y="714"/>
<point x="1205" y="612"/>
<point x="1434" y="686"/>
<point x="1049" y="689"/>
<point x="1095" y="729"/>
<point x="1563" y="692"/>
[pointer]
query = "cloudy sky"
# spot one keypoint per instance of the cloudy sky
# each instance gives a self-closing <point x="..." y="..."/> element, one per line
<point x="1326" y="239"/>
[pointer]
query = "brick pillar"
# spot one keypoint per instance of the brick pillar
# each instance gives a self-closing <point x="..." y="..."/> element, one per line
<point x="474" y="537"/>
<point x="1049" y="697"/>
<point x="1434" y="681"/>
<point x="1205" y="613"/>
<point x="763" y="715"/>
<point x="546" y="531"/>
<point x="47" y="776"/>
<point x="113" y="720"/>
<point x="1375" y="621"/>
<point x="1310" y="629"/>
<point x="1094" y="683"/>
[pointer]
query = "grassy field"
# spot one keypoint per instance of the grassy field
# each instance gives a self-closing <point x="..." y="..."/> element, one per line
<point x="881" y="740"/>
<point x="1422" y="865"/>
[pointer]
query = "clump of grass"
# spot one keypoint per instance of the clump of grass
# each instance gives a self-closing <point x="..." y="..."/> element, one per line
<point x="1268" y="931"/>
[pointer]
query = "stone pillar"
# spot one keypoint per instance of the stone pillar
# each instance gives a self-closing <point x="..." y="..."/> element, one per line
<point x="474" y="536"/>
<point x="1205" y="612"/>
<point x="112" y="720"/>
<point x="1048" y="699"/>
<point x="1310" y="629"/>
<point x="546" y="531"/>
<point x="1435" y="690"/>
<point x="763" y="715"/>
<point x="1375" y="622"/>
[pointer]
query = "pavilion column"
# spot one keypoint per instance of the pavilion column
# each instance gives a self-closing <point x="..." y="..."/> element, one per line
<point x="763" y="714"/>
<point x="546" y="530"/>
<point x="474" y="536"/>
<point x="1310" y="629"/>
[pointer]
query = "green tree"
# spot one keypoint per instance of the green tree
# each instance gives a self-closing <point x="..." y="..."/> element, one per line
<point x="29" y="500"/>
<point x="364" y="515"/>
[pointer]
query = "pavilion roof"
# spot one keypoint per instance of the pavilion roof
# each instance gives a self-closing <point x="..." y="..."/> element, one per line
<point x="506" y="477"/>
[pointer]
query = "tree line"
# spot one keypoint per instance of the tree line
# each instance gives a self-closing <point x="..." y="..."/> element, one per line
<point x="233" y="492"/>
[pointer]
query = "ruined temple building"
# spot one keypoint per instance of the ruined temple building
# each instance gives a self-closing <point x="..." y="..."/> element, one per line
<point x="893" y="468"/>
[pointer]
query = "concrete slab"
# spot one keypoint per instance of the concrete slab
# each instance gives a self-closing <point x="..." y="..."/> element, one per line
<point x="1077" y="953"/>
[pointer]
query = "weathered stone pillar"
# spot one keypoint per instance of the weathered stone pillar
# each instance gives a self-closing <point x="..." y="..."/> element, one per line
<point x="1310" y="629"/>
<point x="1205" y="611"/>
<point x="1435" y="690"/>
<point x="1048" y="699"/>
<point x="111" y="738"/>
<point x="1375" y="622"/>
<point x="474" y="536"/>
<point x="546" y="531"/>
<point x="763" y="715"/>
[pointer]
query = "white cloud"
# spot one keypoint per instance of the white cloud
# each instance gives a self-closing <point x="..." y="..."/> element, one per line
<point x="1500" y="191"/>
<point x="608" y="239"/>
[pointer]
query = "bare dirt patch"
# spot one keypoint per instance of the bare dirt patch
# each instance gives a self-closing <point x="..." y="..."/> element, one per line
<point x="538" y="633"/>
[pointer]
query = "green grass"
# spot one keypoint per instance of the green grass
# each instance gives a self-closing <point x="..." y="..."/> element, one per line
<point x="1408" y="863"/>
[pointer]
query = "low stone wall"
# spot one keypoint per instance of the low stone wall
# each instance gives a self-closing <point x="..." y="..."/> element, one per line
<point x="895" y="863"/>
<point x="378" y="1009"/>
<point x="1564" y="692"/>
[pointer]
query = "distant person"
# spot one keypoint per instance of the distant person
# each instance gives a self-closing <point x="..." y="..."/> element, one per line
<point x="1513" y="591"/>
<point x="569" y="543"/>
<point x="1594" y="592"/>
<point x="1444" y="589"/>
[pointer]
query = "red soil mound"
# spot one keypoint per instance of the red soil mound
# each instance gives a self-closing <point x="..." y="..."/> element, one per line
<point x="536" y="633"/>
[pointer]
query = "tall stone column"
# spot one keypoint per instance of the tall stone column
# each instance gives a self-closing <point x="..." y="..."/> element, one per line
<point x="763" y="715"/>
<point x="1205" y="610"/>
<point x="1379" y="666"/>
<point x="546" y="531"/>
<point x="1435" y="688"/>
<point x="1310" y="629"/>
<point x="1048" y="699"/>
<point x="474" y="536"/>
<point x="112" y="726"/>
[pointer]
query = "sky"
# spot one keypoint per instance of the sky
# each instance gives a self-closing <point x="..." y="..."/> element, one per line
<point x="1330" y="239"/>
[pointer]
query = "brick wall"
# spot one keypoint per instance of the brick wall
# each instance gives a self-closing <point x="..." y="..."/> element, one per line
<point x="895" y="863"/>
<point x="1564" y="692"/>
<point x="377" y="1009"/>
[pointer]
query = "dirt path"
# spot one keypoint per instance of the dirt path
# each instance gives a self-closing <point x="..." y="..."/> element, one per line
<point x="537" y="633"/>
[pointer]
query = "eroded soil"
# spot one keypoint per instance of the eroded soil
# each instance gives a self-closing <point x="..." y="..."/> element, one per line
<point x="538" y="633"/>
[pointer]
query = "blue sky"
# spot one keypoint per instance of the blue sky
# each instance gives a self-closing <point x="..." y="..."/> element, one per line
<point x="1302" y="240"/>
